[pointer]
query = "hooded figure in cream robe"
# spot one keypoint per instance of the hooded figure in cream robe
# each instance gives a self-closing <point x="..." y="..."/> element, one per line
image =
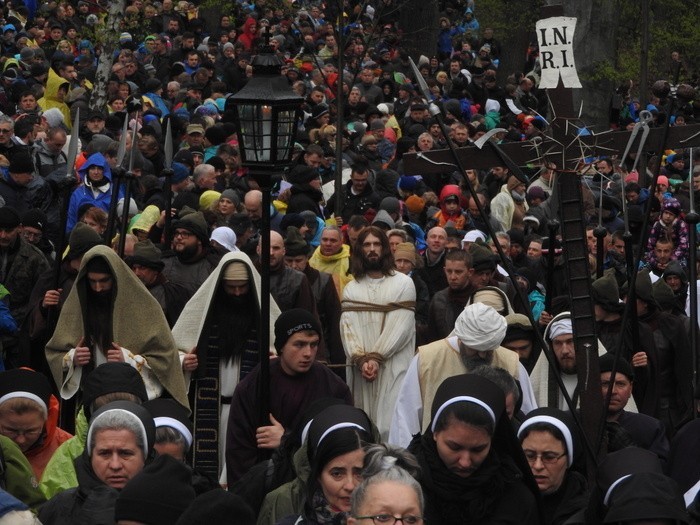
<point x="129" y="319"/>
<point x="196" y="321"/>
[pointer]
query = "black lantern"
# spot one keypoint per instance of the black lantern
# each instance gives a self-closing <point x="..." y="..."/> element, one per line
<point x="266" y="113"/>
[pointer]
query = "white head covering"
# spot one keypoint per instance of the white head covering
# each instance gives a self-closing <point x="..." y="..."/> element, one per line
<point x="480" y="327"/>
<point x="473" y="236"/>
<point x="226" y="237"/>
<point x="560" y="327"/>
<point x="492" y="105"/>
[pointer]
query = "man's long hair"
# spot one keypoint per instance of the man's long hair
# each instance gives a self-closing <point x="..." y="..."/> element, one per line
<point x="358" y="261"/>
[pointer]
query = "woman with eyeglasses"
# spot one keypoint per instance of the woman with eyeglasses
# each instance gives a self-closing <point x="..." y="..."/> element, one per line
<point x="389" y="492"/>
<point x="472" y="468"/>
<point x="550" y="443"/>
<point x="29" y="416"/>
<point x="335" y="448"/>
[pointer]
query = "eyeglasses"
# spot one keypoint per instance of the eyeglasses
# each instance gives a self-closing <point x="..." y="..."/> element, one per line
<point x="3" y="130"/>
<point x="13" y="433"/>
<point x="388" y="519"/>
<point x="548" y="458"/>
<point x="31" y="236"/>
<point x="183" y="234"/>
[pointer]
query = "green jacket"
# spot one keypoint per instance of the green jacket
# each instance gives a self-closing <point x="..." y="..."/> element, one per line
<point x="287" y="500"/>
<point x="59" y="473"/>
<point x="17" y="476"/>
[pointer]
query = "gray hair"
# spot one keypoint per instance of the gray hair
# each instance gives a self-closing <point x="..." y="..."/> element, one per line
<point x="387" y="463"/>
<point x="4" y="119"/>
<point x="201" y="170"/>
<point x="501" y="378"/>
<point x="117" y="419"/>
<point x="399" y="233"/>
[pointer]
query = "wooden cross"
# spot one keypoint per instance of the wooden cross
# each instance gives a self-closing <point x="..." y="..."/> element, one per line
<point x="564" y="147"/>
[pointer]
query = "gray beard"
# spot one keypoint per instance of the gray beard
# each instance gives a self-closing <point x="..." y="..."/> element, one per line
<point x="470" y="363"/>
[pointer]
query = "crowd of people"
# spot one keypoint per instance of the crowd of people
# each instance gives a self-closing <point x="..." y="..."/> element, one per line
<point x="407" y="380"/>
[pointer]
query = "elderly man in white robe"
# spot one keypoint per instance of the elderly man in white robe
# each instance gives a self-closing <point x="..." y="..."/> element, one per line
<point x="475" y="341"/>
<point x="377" y="326"/>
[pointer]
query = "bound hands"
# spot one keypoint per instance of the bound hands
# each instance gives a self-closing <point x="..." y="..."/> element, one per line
<point x="370" y="370"/>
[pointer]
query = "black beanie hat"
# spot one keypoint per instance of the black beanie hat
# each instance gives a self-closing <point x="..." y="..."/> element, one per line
<point x="9" y="218"/>
<point x="606" y="293"/>
<point x="82" y="239"/>
<point x="21" y="163"/>
<point x="291" y="219"/>
<point x="110" y="378"/>
<point x="158" y="495"/>
<point x="482" y="257"/>
<point x="147" y="254"/>
<point x="605" y="362"/>
<point x="302" y="175"/>
<point x="20" y="382"/>
<point x="293" y="321"/>
<point x="195" y="223"/>
<point x="295" y="244"/>
<point x="217" y="506"/>
<point x="34" y="219"/>
<point x="643" y="287"/>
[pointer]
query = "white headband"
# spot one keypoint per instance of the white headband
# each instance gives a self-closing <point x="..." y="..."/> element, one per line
<point x="612" y="487"/>
<point x="560" y="425"/>
<point x="305" y="431"/>
<point x="338" y="426"/>
<point x="177" y="425"/>
<point x="27" y="395"/>
<point x="144" y="435"/>
<point x="469" y="399"/>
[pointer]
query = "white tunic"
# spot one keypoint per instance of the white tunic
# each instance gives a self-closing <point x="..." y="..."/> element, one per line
<point x="391" y="334"/>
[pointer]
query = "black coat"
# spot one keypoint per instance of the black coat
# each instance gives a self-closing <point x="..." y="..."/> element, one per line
<point x="304" y="198"/>
<point x="91" y="503"/>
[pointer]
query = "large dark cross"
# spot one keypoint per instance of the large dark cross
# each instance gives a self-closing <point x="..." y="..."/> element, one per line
<point x="564" y="147"/>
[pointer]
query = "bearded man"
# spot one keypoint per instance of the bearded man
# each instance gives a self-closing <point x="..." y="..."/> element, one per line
<point x="377" y="326"/>
<point x="218" y="332"/>
<point x="109" y="316"/>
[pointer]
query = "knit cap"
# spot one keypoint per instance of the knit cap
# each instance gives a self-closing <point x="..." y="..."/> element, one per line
<point x="82" y="239"/>
<point x="295" y="244"/>
<point x="196" y="224"/>
<point x="293" y="321"/>
<point x="147" y="254"/>
<point x="406" y="250"/>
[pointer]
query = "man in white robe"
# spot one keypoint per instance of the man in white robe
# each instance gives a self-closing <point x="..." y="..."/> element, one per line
<point x="377" y="327"/>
